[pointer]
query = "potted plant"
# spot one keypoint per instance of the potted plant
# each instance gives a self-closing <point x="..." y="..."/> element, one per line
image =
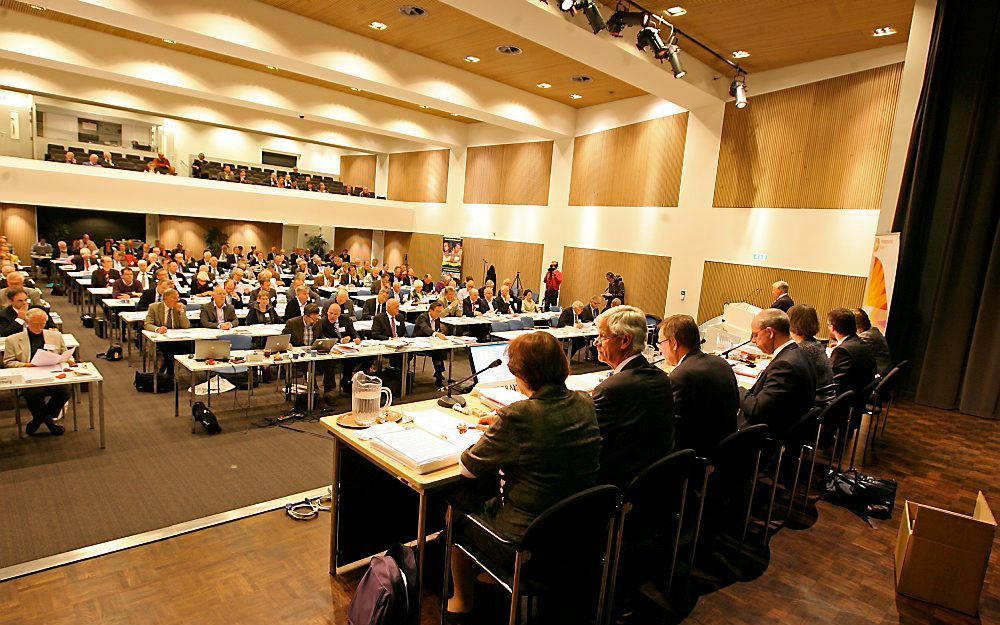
<point x="215" y="238"/>
<point x="317" y="244"/>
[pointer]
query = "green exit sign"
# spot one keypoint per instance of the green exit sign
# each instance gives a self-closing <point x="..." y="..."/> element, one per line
<point x="759" y="256"/>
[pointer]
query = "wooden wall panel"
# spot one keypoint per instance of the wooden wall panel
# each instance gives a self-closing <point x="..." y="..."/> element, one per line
<point x="19" y="224"/>
<point x="514" y="173"/>
<point x="645" y="275"/>
<point x="728" y="282"/>
<point x="358" y="242"/>
<point x="191" y="232"/>
<point x="425" y="253"/>
<point x="418" y="176"/>
<point x="634" y="165"/>
<point x="395" y="247"/>
<point x="820" y="145"/>
<point x="358" y="170"/>
<point x="509" y="258"/>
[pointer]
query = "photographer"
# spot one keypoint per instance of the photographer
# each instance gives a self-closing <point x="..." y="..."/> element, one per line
<point x="553" y="280"/>
<point x="616" y="289"/>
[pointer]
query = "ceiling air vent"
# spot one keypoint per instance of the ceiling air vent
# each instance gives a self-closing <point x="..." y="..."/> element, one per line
<point x="580" y="78"/>
<point x="508" y="50"/>
<point x="410" y="10"/>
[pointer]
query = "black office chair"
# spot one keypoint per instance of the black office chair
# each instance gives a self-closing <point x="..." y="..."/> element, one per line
<point x="861" y="409"/>
<point x="803" y="436"/>
<point x="568" y="542"/>
<point x="653" y="510"/>
<point x="736" y="462"/>
<point x="834" y="422"/>
<point x="881" y="403"/>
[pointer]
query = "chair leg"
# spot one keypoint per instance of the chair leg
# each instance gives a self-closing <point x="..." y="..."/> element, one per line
<point x="449" y="518"/>
<point x="515" y="590"/>
<point x="885" y="419"/>
<point x="615" y="563"/>
<point x="774" y="491"/>
<point x="795" y="483"/>
<point x="746" y="518"/>
<point x="697" y="524"/>
<point x="603" y="600"/>
<point x="677" y="539"/>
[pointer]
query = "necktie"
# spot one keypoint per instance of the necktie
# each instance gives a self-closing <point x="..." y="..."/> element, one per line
<point x="392" y="323"/>
<point x="170" y="319"/>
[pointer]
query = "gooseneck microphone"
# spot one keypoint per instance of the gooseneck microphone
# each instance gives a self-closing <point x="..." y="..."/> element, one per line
<point x="449" y="401"/>
<point x="734" y="347"/>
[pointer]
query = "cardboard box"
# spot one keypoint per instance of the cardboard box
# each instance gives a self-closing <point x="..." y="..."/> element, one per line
<point x="941" y="556"/>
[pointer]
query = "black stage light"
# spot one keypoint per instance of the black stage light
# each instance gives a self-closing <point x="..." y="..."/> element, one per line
<point x="621" y="19"/>
<point x="739" y="91"/>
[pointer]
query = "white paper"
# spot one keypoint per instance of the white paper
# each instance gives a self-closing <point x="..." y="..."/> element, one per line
<point x="418" y="446"/>
<point x="45" y="358"/>
<point x="445" y="426"/>
<point x="501" y="396"/>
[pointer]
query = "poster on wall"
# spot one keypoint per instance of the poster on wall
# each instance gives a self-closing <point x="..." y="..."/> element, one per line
<point x="451" y="257"/>
<point x="881" y="278"/>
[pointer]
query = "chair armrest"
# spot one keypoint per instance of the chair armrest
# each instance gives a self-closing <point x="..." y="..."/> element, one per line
<point x="477" y="521"/>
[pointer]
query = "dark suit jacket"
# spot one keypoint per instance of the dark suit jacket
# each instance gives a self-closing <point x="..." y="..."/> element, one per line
<point x="9" y="324"/>
<point x="235" y="301"/>
<point x="346" y="328"/>
<point x="566" y="317"/>
<point x="381" y="330"/>
<point x="210" y="318"/>
<point x="505" y="308"/>
<point x="294" y="309"/>
<point x="148" y="297"/>
<point x="853" y="367"/>
<point x="589" y="314"/>
<point x="254" y="317"/>
<point x="468" y="310"/>
<point x="783" y="393"/>
<point x="425" y="326"/>
<point x="296" y="328"/>
<point x="635" y="411"/>
<point x="101" y="279"/>
<point x="178" y="278"/>
<point x="784" y="302"/>
<point x="346" y="309"/>
<point x="78" y="261"/>
<point x="368" y="310"/>
<point x="706" y="401"/>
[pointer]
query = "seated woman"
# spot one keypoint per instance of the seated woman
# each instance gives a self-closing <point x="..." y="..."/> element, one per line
<point x="528" y="304"/>
<point x="547" y="447"/>
<point x="262" y="311"/>
<point x="804" y="324"/>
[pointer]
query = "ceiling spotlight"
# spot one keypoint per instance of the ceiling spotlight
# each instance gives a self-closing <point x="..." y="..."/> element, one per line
<point x="272" y="67"/>
<point x="884" y="31"/>
<point x="36" y="7"/>
<point x="575" y="96"/>
<point x="592" y="13"/>
<point x="170" y="41"/>
<point x="544" y="85"/>
<point x="738" y="90"/>
<point x="453" y="114"/>
<point x="740" y="54"/>
<point x="472" y="59"/>
<point x="620" y="19"/>
<point x="566" y="5"/>
<point x="355" y="89"/>
<point x="676" y="11"/>
<point x="649" y="38"/>
<point x="423" y="106"/>
<point x="378" y="25"/>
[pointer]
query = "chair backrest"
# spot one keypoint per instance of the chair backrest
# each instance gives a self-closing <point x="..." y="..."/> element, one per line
<point x="888" y="384"/>
<point x="364" y="291"/>
<point x="499" y="326"/>
<point x="836" y="413"/>
<point x="735" y="456"/>
<point x="804" y="430"/>
<point x="555" y="309"/>
<point x="237" y="341"/>
<point x="569" y="527"/>
<point x="516" y="324"/>
<point x="656" y="489"/>
<point x="193" y="306"/>
<point x="409" y="328"/>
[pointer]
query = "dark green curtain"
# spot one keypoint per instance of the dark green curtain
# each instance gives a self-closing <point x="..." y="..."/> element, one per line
<point x="945" y="315"/>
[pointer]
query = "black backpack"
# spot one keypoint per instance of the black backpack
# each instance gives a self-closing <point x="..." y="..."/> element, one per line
<point x="204" y="415"/>
<point x="387" y="594"/>
<point x="87" y="319"/>
<point x="144" y="382"/>
<point x="865" y="495"/>
<point x="114" y="353"/>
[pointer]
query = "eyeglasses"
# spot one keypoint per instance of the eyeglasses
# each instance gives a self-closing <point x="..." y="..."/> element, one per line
<point x="598" y="340"/>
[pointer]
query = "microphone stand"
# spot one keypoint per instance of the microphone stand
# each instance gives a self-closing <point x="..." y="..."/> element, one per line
<point x="451" y="402"/>
<point x="726" y="353"/>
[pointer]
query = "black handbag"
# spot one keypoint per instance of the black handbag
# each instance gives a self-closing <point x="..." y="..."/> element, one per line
<point x="113" y="354"/>
<point x="865" y="495"/>
<point x="204" y="415"/>
<point x="87" y="319"/>
<point x="144" y="382"/>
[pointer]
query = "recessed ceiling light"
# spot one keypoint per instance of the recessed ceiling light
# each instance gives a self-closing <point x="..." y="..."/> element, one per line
<point x="170" y="41"/>
<point x="508" y="49"/>
<point x="272" y="67"/>
<point x="884" y="31"/>
<point x="355" y="89"/>
<point x="423" y="106"/>
<point x="453" y="114"/>
<point x="36" y="7"/>
<point x="471" y="59"/>
<point x="740" y="54"/>
<point x="410" y="10"/>
<point x="575" y="96"/>
<point x="544" y="85"/>
<point x="676" y="11"/>
<point x="378" y="26"/>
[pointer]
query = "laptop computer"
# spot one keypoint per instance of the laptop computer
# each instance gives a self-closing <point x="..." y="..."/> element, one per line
<point x="323" y="346"/>
<point x="279" y="343"/>
<point x="211" y="349"/>
<point x="482" y="355"/>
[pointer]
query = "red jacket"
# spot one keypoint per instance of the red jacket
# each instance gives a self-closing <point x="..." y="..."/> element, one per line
<point x="553" y="280"/>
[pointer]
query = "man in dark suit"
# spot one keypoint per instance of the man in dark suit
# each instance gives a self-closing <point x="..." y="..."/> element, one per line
<point x="337" y="325"/>
<point x="572" y="317"/>
<point x="305" y="329"/>
<point x="853" y="365"/>
<point x="475" y="306"/>
<point x="504" y="303"/>
<point x="342" y="299"/>
<point x="429" y="324"/>
<point x="84" y="261"/>
<point x="154" y="293"/>
<point x="106" y="275"/>
<point x="218" y="313"/>
<point x="375" y="306"/>
<point x="635" y="405"/>
<point x="592" y="310"/>
<point x="706" y="396"/>
<point x="786" y="389"/>
<point x="297" y="304"/>
<point x="782" y="300"/>
<point x="390" y="325"/>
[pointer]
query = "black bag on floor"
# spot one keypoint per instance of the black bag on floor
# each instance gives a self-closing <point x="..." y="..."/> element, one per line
<point x="387" y="594"/>
<point x="866" y="496"/>
<point x="144" y="382"/>
<point x="58" y="289"/>
<point x="113" y="354"/>
<point x="204" y="415"/>
<point x="87" y="320"/>
<point x="100" y="328"/>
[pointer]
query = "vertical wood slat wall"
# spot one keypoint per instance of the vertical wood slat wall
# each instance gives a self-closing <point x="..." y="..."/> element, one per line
<point x="18" y="222"/>
<point x="358" y="242"/>
<point x="820" y="145"/>
<point x="646" y="277"/>
<point x="358" y="170"/>
<point x="425" y="254"/>
<point x="191" y="232"/>
<point x="730" y="282"/>
<point x="513" y="173"/>
<point x="509" y="258"/>
<point x="418" y="176"/>
<point x="395" y="248"/>
<point x="634" y="165"/>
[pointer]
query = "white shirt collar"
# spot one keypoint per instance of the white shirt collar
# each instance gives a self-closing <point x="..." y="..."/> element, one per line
<point x="622" y="364"/>
<point x="781" y="347"/>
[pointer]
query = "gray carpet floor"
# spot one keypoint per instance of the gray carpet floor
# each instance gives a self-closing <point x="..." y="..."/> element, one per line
<point x="63" y="493"/>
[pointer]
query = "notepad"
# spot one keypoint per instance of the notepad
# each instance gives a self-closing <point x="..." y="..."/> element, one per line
<point x="417" y="449"/>
<point x="499" y="396"/>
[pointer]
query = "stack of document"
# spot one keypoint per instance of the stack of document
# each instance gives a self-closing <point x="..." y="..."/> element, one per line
<point x="499" y="396"/>
<point x="434" y="443"/>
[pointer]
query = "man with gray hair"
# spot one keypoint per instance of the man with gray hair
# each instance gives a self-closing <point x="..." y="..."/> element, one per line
<point x="46" y="402"/>
<point x="635" y="406"/>
<point x="786" y="388"/>
<point x="782" y="300"/>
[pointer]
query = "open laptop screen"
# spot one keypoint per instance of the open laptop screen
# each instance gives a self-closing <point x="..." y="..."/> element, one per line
<point x="482" y="355"/>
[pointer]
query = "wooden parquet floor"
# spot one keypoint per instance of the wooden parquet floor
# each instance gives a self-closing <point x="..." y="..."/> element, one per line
<point x="271" y="570"/>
